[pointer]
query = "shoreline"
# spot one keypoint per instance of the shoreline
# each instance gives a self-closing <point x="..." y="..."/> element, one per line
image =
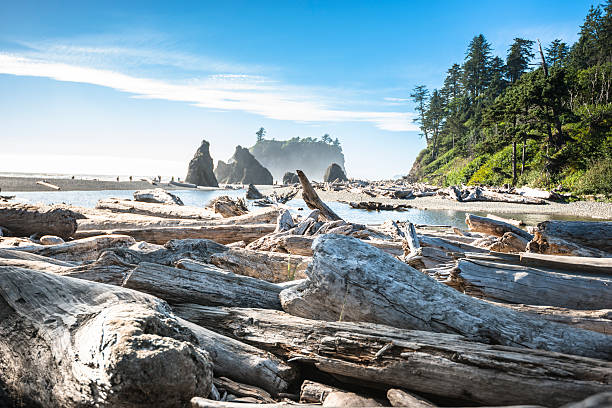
<point x="579" y="209"/>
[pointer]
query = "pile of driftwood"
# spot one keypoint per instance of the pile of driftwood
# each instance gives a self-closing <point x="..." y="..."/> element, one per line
<point x="139" y="304"/>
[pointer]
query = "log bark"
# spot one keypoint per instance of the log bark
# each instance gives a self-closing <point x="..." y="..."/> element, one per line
<point x="67" y="342"/>
<point x="242" y="390"/>
<point x="155" y="209"/>
<point x="86" y="249"/>
<point x="445" y="365"/>
<point x="25" y="220"/>
<point x="349" y="399"/>
<point x="578" y="238"/>
<point x="493" y="227"/>
<point x="315" y="392"/>
<point x="272" y="267"/>
<point x="32" y="261"/>
<point x="352" y="281"/>
<point x="312" y="199"/>
<point x="533" y="286"/>
<point x="509" y="242"/>
<point x="401" y="398"/>
<point x="208" y="285"/>
<point x="223" y="234"/>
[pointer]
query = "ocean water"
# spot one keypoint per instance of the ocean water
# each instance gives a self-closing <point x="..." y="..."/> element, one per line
<point x="199" y="198"/>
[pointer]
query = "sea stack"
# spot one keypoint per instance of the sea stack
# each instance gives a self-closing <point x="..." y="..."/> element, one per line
<point x="243" y="168"/>
<point x="290" y="178"/>
<point x="200" y="171"/>
<point x="334" y="173"/>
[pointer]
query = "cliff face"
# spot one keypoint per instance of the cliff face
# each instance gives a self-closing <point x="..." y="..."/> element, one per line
<point x="242" y="168"/>
<point x="313" y="157"/>
<point x="200" y="171"/>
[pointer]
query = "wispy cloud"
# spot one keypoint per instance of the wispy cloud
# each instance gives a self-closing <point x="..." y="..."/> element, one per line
<point x="225" y="88"/>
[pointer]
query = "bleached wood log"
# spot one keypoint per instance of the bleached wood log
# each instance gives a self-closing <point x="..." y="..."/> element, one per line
<point x="156" y="209"/>
<point x="228" y="207"/>
<point x="511" y="221"/>
<point x="157" y="196"/>
<point x="493" y="227"/>
<point x="601" y="400"/>
<point x="272" y="267"/>
<point x="199" y="402"/>
<point x="55" y="349"/>
<point x="284" y="222"/>
<point x="242" y="390"/>
<point x="223" y="234"/>
<point x="35" y="262"/>
<point x="86" y="249"/>
<point x="48" y="185"/>
<point x="568" y="263"/>
<point x="533" y="286"/>
<point x="594" y="320"/>
<point x="315" y="392"/>
<point x="349" y="399"/>
<point x="312" y="199"/>
<point x="352" y="281"/>
<point x="26" y="220"/>
<point x="401" y="398"/>
<point x="509" y="242"/>
<point x="447" y="365"/>
<point x="208" y="285"/>
<point x="578" y="238"/>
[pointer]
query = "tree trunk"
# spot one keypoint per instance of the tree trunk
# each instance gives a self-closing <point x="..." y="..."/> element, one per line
<point x="514" y="163"/>
<point x="523" y="157"/>
<point x="156" y="210"/>
<point x="352" y="281"/>
<point x="35" y="262"/>
<point x="520" y="284"/>
<point x="493" y="227"/>
<point x="446" y="365"/>
<point x="67" y="342"/>
<point x="312" y="199"/>
<point x="86" y="249"/>
<point x="578" y="238"/>
<point x="208" y="285"/>
<point x="25" y="220"/>
<point x="400" y="398"/>
<point x="223" y="234"/>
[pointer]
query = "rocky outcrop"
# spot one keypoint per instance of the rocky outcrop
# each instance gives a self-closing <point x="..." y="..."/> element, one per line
<point x="290" y="178"/>
<point x="334" y="173"/>
<point x="242" y="168"/>
<point x="200" y="171"/>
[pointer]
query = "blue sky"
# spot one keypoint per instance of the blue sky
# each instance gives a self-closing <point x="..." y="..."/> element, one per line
<point x="132" y="87"/>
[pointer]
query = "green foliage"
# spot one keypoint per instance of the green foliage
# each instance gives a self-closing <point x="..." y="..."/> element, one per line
<point x="561" y="111"/>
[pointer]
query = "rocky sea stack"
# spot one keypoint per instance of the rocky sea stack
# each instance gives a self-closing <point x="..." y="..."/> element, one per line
<point x="242" y="168"/>
<point x="290" y="178"/>
<point x="200" y="171"/>
<point x="334" y="173"/>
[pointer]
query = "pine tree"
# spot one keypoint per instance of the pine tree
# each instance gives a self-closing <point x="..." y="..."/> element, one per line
<point x="586" y="51"/>
<point x="420" y="96"/>
<point x="452" y="83"/>
<point x="434" y="119"/>
<point x="556" y="53"/>
<point x="260" y="134"/>
<point x="476" y="67"/>
<point x="519" y="55"/>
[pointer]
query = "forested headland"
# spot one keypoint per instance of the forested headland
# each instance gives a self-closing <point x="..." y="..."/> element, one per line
<point x="540" y="116"/>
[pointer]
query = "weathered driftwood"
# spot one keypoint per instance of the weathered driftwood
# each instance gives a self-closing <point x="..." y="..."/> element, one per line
<point x="351" y="281"/>
<point x="224" y="384"/>
<point x="401" y="398"/>
<point x="578" y="238"/>
<point x="223" y="234"/>
<point x="32" y="261"/>
<point x="228" y="207"/>
<point x="315" y="392"/>
<point x="55" y="348"/>
<point x="349" y="399"/>
<point x="208" y="285"/>
<point x="199" y="402"/>
<point x="533" y="286"/>
<point x="25" y="220"/>
<point x="86" y="249"/>
<point x="568" y="263"/>
<point x="312" y="199"/>
<point x="156" y="209"/>
<point x="511" y="221"/>
<point x="446" y="365"/>
<point x="493" y="227"/>
<point x="594" y="320"/>
<point x="253" y="193"/>
<point x="284" y="222"/>
<point x="158" y="196"/>
<point x="104" y="220"/>
<point x="48" y="185"/>
<point x="272" y="267"/>
<point x="509" y="242"/>
<point x="378" y="206"/>
<point x="601" y="400"/>
<point x="50" y="240"/>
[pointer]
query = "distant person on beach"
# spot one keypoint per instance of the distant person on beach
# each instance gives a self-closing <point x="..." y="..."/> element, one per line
<point x="117" y="178"/>
<point x="130" y="178"/>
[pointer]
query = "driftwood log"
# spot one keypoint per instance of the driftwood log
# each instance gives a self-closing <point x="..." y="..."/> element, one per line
<point x="445" y="365"/>
<point x="32" y="261"/>
<point x="56" y="348"/>
<point x="349" y="280"/>
<point x="208" y="285"/>
<point x="272" y="267"/>
<point x="155" y="209"/>
<point x="401" y="398"/>
<point x="158" y="196"/>
<point x="493" y="227"/>
<point x="312" y="199"/>
<point x="86" y="249"/>
<point x="579" y="238"/>
<point x="26" y="220"/>
<point x="533" y="286"/>
<point x="223" y="234"/>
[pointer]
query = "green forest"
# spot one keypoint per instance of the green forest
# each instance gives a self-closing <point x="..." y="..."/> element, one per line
<point x="540" y="116"/>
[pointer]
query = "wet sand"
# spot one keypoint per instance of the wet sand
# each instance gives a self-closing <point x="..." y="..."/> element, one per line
<point x="21" y="184"/>
<point x="578" y="209"/>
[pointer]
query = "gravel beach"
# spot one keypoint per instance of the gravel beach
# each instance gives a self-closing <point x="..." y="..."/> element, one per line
<point x="578" y="209"/>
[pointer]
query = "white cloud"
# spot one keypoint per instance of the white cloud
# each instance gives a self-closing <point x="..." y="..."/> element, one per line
<point x="226" y="92"/>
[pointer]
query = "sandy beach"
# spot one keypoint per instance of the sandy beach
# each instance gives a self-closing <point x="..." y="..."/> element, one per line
<point x="23" y="184"/>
